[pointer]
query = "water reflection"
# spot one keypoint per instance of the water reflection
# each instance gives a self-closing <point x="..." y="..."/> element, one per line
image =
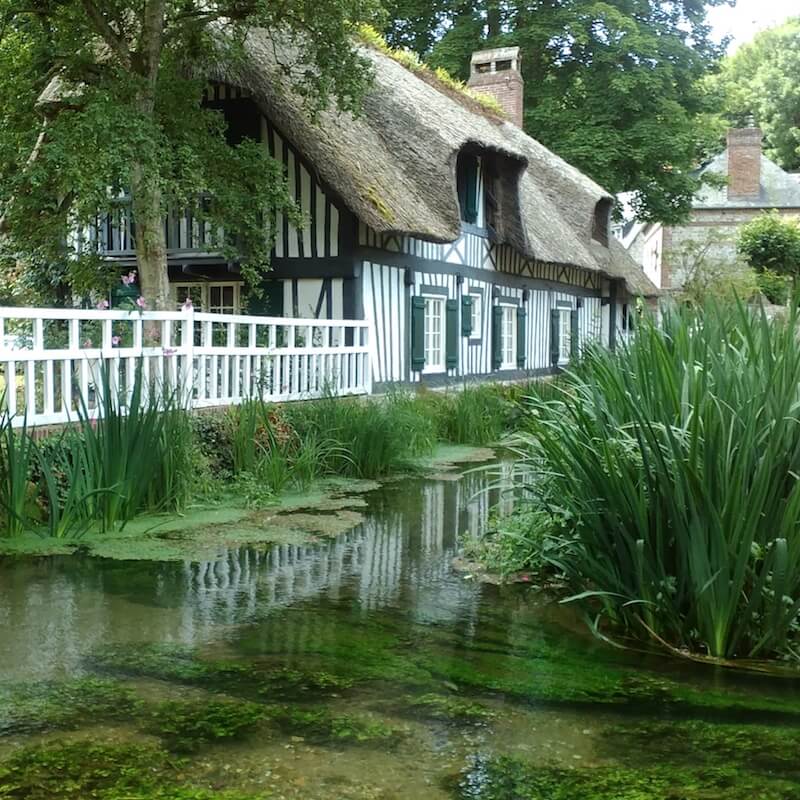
<point x="52" y="611"/>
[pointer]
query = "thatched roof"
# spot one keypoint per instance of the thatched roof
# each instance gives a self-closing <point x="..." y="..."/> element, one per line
<point x="394" y="165"/>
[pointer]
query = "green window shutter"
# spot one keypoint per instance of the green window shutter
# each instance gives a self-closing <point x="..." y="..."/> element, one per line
<point x="521" y="320"/>
<point x="467" y="180"/>
<point x="451" y="334"/>
<point x="417" y="333"/>
<point x="554" y="331"/>
<point x="574" y="333"/>
<point x="497" y="326"/>
<point x="466" y="315"/>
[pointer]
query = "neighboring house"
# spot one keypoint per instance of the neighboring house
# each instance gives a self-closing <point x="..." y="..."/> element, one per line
<point x="473" y="249"/>
<point x="754" y="184"/>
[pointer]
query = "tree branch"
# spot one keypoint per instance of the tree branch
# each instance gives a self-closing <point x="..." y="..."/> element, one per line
<point x="116" y="42"/>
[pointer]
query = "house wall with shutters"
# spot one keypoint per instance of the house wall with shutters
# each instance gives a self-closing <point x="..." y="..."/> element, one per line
<point x="393" y="298"/>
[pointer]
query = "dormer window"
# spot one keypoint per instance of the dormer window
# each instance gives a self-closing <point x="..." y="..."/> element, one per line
<point x="467" y="171"/>
<point x="601" y="221"/>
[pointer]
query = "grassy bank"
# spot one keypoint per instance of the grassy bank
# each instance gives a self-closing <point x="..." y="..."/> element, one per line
<point x="108" y="477"/>
<point x="668" y="498"/>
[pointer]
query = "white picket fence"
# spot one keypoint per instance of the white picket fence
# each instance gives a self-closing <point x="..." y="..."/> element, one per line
<point x="52" y="360"/>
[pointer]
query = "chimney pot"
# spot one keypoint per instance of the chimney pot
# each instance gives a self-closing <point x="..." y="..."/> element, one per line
<point x="496" y="72"/>
<point x="744" y="163"/>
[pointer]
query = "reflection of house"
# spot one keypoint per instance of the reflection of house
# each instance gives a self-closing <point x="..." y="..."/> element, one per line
<point x="754" y="184"/>
<point x="473" y="249"/>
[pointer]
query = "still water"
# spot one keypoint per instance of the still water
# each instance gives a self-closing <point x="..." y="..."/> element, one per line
<point x="367" y="668"/>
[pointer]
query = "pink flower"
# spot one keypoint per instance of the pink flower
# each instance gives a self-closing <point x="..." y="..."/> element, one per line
<point x="87" y="343"/>
<point x="102" y="305"/>
<point x="168" y="351"/>
<point x="141" y="302"/>
<point x="187" y="305"/>
<point x="128" y="279"/>
<point x="115" y="340"/>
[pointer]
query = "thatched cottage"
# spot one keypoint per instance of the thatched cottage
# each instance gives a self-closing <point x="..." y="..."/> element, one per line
<point x="473" y="249"/>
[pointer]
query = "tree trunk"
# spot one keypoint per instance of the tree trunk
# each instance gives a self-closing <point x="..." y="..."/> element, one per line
<point x="151" y="242"/>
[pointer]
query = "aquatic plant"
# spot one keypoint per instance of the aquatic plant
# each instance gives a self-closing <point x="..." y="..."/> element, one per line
<point x="670" y="469"/>
<point x="185" y="726"/>
<point x="18" y="494"/>
<point x="511" y="779"/>
<point x="476" y="415"/>
<point x="93" y="771"/>
<point x="322" y="726"/>
<point x="137" y="455"/>
<point x="165" y="662"/>
<point x="57" y="705"/>
<point x="445" y="707"/>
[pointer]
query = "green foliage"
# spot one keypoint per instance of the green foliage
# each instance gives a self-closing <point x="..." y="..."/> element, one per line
<point x="476" y="415"/>
<point x="707" y="273"/>
<point x="515" y="542"/>
<point x="130" y="92"/>
<point x="611" y="87"/>
<point x="670" y="471"/>
<point x="185" y="726"/>
<point x="773" y="285"/>
<point x="758" y="83"/>
<point x="772" y="242"/>
<point x="18" y="494"/>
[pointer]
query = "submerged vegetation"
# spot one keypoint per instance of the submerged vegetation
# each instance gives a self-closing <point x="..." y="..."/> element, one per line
<point x="668" y="496"/>
<point x="146" y="454"/>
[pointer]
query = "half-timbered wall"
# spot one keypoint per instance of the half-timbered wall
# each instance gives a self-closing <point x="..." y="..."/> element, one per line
<point x="387" y="291"/>
<point x="319" y="237"/>
<point x="313" y="298"/>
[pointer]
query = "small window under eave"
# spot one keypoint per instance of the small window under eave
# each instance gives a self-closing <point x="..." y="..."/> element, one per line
<point x="601" y="221"/>
<point x="467" y="171"/>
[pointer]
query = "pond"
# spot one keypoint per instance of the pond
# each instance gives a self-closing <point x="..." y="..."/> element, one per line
<point x="361" y="667"/>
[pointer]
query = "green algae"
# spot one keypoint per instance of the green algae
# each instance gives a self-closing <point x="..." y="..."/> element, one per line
<point x="445" y="707"/>
<point x="91" y="771"/>
<point x="185" y="726"/>
<point x="697" y="742"/>
<point x="510" y="779"/>
<point x="324" y="726"/>
<point x="290" y="681"/>
<point x="166" y="662"/>
<point x="206" y="530"/>
<point x="45" y="706"/>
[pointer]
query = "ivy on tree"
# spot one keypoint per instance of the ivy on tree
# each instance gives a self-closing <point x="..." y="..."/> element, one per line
<point x="125" y="119"/>
<point x="612" y="87"/>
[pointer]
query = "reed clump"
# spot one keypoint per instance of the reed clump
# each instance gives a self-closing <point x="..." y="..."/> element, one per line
<point x="669" y="475"/>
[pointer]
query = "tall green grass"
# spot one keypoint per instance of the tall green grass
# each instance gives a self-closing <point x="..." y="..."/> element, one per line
<point x="671" y="472"/>
<point x="18" y="493"/>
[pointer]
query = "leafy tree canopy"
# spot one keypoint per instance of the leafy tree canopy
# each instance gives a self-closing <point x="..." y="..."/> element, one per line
<point x="761" y="83"/>
<point x="612" y="86"/>
<point x="130" y="121"/>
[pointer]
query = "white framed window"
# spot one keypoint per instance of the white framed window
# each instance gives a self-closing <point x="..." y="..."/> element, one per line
<point x="564" y="334"/>
<point x="476" y="324"/>
<point x="508" y="337"/>
<point x="434" y="334"/>
<point x="214" y="297"/>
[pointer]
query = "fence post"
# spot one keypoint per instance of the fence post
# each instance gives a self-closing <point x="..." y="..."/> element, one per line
<point x="187" y="346"/>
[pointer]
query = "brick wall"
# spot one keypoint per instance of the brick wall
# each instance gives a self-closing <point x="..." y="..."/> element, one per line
<point x="505" y="87"/>
<point x="744" y="162"/>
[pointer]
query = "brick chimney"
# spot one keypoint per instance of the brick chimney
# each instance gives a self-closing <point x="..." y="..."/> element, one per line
<point x="744" y="163"/>
<point x="496" y="73"/>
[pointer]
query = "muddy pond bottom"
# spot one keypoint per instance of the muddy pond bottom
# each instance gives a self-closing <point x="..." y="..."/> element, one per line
<point x="359" y="668"/>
